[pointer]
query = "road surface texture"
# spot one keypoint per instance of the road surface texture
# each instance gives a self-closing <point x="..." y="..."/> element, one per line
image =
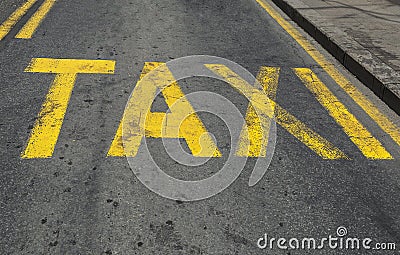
<point x="362" y="35"/>
<point x="78" y="198"/>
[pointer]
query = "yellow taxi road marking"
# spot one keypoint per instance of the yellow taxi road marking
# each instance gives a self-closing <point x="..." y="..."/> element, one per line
<point x="53" y="65"/>
<point x="181" y="122"/>
<point x="44" y="135"/>
<point x="358" y="134"/>
<point x="299" y="130"/>
<point x="117" y="147"/>
<point x="7" y="25"/>
<point x="46" y="130"/>
<point x="384" y="122"/>
<point x="33" y="23"/>
<point x="252" y="141"/>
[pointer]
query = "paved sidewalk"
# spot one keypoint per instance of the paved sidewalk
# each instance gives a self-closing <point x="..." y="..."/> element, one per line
<point x="364" y="35"/>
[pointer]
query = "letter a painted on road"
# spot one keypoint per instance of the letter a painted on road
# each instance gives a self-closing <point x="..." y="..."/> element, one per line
<point x="180" y="122"/>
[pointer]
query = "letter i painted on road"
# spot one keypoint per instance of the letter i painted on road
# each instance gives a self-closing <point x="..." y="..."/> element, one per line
<point x="46" y="130"/>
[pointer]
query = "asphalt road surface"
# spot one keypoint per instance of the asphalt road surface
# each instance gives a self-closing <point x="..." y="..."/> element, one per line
<point x="73" y="192"/>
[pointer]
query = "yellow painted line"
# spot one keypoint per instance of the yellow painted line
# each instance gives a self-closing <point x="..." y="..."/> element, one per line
<point x="46" y="130"/>
<point x="45" y="133"/>
<point x="117" y="147"/>
<point x="253" y="140"/>
<point x="181" y="122"/>
<point x="54" y="65"/>
<point x="383" y="121"/>
<point x="7" y="25"/>
<point x="295" y="127"/>
<point x="359" y="135"/>
<point x="33" y="23"/>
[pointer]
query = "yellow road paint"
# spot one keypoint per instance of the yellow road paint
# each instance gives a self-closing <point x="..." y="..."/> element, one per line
<point x="33" y="23"/>
<point x="46" y="130"/>
<point x="44" y="135"/>
<point x="181" y="122"/>
<point x="358" y="134"/>
<point x="298" y="129"/>
<point x="53" y="65"/>
<point x="14" y="18"/>
<point x="252" y="141"/>
<point x="383" y="121"/>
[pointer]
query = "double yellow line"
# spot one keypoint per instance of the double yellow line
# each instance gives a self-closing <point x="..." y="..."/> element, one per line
<point x="33" y="23"/>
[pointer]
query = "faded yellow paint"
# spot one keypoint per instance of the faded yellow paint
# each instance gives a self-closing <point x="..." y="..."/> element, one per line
<point x="181" y="122"/>
<point x="46" y="130"/>
<point x="264" y="105"/>
<point x="381" y="119"/>
<point x="253" y="140"/>
<point x="44" y="134"/>
<point x="33" y="23"/>
<point x="7" y="25"/>
<point x="359" y="135"/>
<point x="53" y="65"/>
